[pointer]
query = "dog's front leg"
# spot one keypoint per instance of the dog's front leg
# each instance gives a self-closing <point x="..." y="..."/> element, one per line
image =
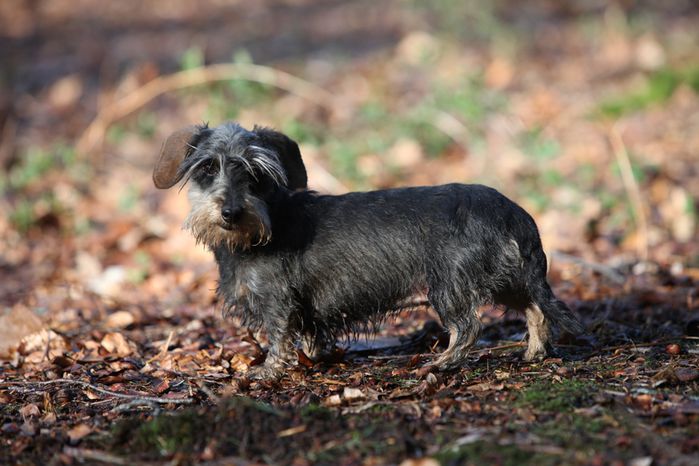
<point x="281" y="352"/>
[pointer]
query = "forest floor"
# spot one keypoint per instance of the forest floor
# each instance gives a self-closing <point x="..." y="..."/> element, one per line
<point x="112" y="346"/>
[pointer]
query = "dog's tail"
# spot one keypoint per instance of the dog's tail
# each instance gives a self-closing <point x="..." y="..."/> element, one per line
<point x="557" y="312"/>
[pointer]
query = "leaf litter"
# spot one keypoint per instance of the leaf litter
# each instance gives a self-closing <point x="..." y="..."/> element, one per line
<point x="113" y="350"/>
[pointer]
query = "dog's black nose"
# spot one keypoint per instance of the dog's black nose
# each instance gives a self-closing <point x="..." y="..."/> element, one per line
<point x="230" y="215"/>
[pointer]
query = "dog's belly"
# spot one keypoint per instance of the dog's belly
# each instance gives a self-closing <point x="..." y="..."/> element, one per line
<point x="372" y="250"/>
<point x="352" y="295"/>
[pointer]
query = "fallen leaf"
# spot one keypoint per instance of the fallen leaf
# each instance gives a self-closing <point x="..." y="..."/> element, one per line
<point x="78" y="432"/>
<point x="304" y="360"/>
<point x="485" y="387"/>
<point x="9" y="428"/>
<point x="686" y="374"/>
<point x="16" y="325"/>
<point x="501" y="375"/>
<point x="240" y="362"/>
<point x="116" y="343"/>
<point x="65" y="92"/>
<point x="644" y="401"/>
<point x="109" y="282"/>
<point x="30" y="410"/>
<point x="119" y="319"/>
<point x="642" y="461"/>
<point x="162" y="387"/>
<point x="333" y="400"/>
<point x="353" y="394"/>
<point x="420" y="462"/>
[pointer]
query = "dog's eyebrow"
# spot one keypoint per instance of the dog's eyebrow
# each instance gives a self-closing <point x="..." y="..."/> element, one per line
<point x="246" y="164"/>
<point x="268" y="161"/>
<point x="190" y="164"/>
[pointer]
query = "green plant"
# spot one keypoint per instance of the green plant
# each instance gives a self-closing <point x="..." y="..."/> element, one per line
<point x="557" y="397"/>
<point x="192" y="58"/>
<point x="539" y="147"/>
<point x="659" y="87"/>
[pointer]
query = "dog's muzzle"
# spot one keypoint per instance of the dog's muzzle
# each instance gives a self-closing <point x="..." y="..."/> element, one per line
<point x="230" y="216"/>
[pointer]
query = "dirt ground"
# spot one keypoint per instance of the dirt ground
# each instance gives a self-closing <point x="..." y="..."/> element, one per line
<point x="113" y="349"/>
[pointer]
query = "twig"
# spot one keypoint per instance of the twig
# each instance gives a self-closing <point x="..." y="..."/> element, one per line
<point x="144" y="398"/>
<point x="632" y="190"/>
<point x="47" y="351"/>
<point x="137" y="403"/>
<point x="519" y="344"/>
<point x="95" y="132"/>
<point x="408" y="356"/>
<point x="163" y="349"/>
<point x="608" y="272"/>
<point x="95" y="455"/>
<point x="635" y="345"/>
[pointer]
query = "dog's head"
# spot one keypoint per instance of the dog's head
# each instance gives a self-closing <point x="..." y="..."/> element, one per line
<point x="232" y="173"/>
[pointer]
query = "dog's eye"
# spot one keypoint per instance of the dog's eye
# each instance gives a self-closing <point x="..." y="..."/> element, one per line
<point x="211" y="169"/>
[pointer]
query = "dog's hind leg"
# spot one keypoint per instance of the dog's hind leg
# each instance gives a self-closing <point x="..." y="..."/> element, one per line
<point x="464" y="328"/>
<point x="543" y="311"/>
<point x="461" y="337"/>
<point x="539" y="333"/>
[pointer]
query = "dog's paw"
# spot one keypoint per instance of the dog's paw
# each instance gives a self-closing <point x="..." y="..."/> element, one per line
<point x="265" y="372"/>
<point x="539" y="354"/>
<point x="443" y="365"/>
<point x="534" y="356"/>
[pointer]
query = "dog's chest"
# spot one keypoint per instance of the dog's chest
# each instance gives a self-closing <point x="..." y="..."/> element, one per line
<point x="249" y="285"/>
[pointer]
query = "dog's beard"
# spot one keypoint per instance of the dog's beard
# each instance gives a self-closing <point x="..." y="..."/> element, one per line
<point x="205" y="223"/>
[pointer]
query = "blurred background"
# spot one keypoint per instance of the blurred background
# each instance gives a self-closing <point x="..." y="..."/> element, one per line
<point x="585" y="112"/>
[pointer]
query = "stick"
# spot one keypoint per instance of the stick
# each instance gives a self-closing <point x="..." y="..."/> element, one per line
<point x="95" y="132"/>
<point x="407" y="356"/>
<point x="632" y="190"/>
<point x="608" y="272"/>
<point x="95" y="388"/>
<point x="636" y="345"/>
<point x="95" y="455"/>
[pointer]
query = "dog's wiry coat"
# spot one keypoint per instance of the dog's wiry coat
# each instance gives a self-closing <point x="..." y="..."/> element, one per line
<point x="309" y="267"/>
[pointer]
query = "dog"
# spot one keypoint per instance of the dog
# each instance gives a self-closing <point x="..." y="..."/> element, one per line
<point x="312" y="267"/>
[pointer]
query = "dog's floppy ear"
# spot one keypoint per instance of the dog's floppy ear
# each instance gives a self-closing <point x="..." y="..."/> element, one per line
<point x="175" y="148"/>
<point x="289" y="156"/>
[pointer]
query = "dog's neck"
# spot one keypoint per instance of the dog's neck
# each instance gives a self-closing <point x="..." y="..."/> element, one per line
<point x="291" y="227"/>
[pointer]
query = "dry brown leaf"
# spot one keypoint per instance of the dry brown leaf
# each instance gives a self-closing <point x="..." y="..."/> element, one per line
<point x="29" y="410"/>
<point x="686" y="374"/>
<point x="240" y="362"/>
<point x="78" y="432"/>
<point x="485" y="387"/>
<point x="16" y="325"/>
<point x="116" y="343"/>
<point x="353" y="394"/>
<point x="333" y="400"/>
<point x="65" y="92"/>
<point x="420" y="462"/>
<point x="119" y="319"/>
